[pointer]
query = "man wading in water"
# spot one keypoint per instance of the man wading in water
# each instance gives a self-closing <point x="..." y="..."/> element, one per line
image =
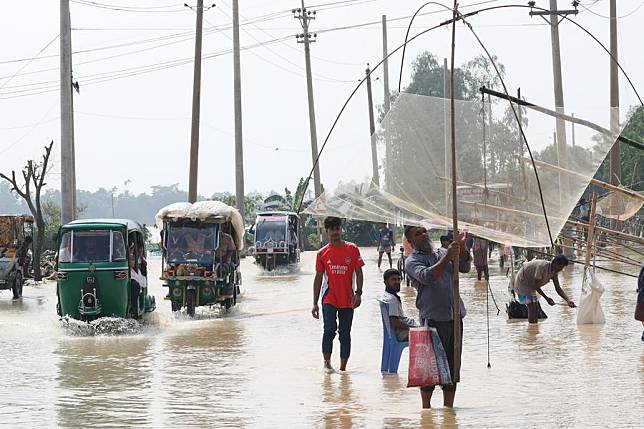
<point x="339" y="266"/>
<point x="431" y="272"/>
<point x="532" y="276"/>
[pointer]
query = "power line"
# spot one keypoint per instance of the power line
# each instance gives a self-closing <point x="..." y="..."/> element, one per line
<point x="151" y="9"/>
<point x="129" y="72"/>
<point x="188" y="34"/>
<point x="31" y="129"/>
<point x="588" y="9"/>
<point x="28" y="62"/>
<point x="318" y="76"/>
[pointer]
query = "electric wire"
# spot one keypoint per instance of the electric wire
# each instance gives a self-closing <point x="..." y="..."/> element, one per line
<point x="29" y="62"/>
<point x="152" y="9"/>
<point x="319" y="76"/>
<point x="587" y="9"/>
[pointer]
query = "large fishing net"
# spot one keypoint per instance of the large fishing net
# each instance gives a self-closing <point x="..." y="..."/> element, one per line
<point x="497" y="191"/>
<point x="619" y="206"/>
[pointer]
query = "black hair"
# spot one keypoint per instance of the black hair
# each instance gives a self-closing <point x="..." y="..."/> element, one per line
<point x="409" y="230"/>
<point x="332" y="222"/>
<point x="560" y="260"/>
<point x="390" y="272"/>
<point x="447" y="237"/>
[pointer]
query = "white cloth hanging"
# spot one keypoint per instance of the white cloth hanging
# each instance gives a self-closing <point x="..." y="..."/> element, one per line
<point x="590" y="307"/>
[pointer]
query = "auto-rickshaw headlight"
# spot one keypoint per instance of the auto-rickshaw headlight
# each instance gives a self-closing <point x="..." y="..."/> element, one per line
<point x="176" y="291"/>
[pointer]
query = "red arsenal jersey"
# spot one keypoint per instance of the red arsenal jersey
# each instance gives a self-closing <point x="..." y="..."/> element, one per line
<point x="339" y="264"/>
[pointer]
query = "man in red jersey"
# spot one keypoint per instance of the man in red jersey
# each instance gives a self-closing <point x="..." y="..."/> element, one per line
<point x="339" y="267"/>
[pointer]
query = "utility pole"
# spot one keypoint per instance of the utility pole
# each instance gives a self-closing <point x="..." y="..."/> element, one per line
<point x="67" y="180"/>
<point x="305" y="16"/>
<point x="239" y="148"/>
<point x="387" y="104"/>
<point x="554" y="21"/>
<point x="196" y="107"/>
<point x="385" y="64"/>
<point x="615" y="156"/>
<point x="375" y="178"/>
<point x="615" y="170"/>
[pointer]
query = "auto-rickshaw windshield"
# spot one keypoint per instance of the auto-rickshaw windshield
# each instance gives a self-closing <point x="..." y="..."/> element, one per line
<point x="192" y="242"/>
<point x="271" y="229"/>
<point x="100" y="245"/>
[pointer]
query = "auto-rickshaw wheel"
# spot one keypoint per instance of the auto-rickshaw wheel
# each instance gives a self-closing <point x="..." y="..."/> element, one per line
<point x="176" y="306"/>
<point x="16" y="286"/>
<point x="191" y="298"/>
<point x="228" y="302"/>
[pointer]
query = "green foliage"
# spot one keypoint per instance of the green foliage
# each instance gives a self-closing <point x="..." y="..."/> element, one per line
<point x="632" y="159"/>
<point x="495" y="160"/>
<point x="428" y="77"/>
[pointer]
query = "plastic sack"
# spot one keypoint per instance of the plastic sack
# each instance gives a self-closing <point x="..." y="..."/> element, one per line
<point x="428" y="365"/>
<point x="590" y="307"/>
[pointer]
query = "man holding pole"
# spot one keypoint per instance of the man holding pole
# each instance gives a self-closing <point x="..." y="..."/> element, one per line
<point x="432" y="274"/>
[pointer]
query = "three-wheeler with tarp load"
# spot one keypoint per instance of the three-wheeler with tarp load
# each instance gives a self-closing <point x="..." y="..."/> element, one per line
<point x="16" y="233"/>
<point x="102" y="270"/>
<point x="200" y="263"/>
<point x="276" y="239"/>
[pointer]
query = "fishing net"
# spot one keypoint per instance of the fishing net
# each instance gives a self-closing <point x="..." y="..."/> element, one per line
<point x="619" y="206"/>
<point x="497" y="191"/>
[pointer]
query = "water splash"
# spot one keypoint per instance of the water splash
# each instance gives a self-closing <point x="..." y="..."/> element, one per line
<point x="104" y="326"/>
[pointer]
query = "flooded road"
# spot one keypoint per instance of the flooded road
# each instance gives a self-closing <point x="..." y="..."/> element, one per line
<point x="260" y="365"/>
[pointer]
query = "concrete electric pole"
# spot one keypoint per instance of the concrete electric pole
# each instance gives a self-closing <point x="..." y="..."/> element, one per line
<point x="387" y="102"/>
<point x="67" y="179"/>
<point x="375" y="178"/>
<point x="196" y="106"/>
<point x="554" y="20"/>
<point x="239" y="148"/>
<point x="615" y="157"/>
<point x="305" y="16"/>
<point x="385" y="64"/>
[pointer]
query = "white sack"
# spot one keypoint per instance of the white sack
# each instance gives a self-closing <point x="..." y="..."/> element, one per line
<point x="590" y="307"/>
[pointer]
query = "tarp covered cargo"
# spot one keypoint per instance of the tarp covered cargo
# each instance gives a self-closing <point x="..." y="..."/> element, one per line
<point x="204" y="210"/>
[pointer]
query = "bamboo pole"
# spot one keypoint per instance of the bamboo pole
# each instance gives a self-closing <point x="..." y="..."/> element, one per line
<point x="456" y="301"/>
<point x="591" y="232"/>
<point x="623" y="235"/>
<point x="596" y="182"/>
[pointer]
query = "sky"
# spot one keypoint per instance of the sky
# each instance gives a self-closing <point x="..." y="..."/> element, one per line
<point x="132" y="129"/>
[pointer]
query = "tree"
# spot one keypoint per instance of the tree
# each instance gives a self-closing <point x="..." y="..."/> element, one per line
<point x="413" y="150"/>
<point x="632" y="159"/>
<point x="34" y="176"/>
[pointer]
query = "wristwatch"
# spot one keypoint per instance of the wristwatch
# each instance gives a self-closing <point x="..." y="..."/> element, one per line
<point x="359" y="292"/>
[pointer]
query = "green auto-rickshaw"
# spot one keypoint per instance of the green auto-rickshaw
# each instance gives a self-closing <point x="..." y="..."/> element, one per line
<point x="102" y="270"/>
<point x="201" y="244"/>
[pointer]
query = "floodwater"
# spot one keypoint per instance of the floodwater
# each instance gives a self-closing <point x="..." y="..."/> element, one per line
<point x="260" y="365"/>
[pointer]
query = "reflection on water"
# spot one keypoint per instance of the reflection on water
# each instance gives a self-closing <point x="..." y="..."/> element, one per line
<point x="338" y="396"/>
<point x="260" y="365"/>
<point x="103" y="382"/>
<point x="202" y="381"/>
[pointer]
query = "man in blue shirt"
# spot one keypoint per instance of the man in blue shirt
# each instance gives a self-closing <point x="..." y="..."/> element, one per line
<point x="431" y="273"/>
<point x="385" y="243"/>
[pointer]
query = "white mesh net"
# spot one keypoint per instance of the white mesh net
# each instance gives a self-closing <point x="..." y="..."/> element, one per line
<point x="619" y="206"/>
<point x="498" y="196"/>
